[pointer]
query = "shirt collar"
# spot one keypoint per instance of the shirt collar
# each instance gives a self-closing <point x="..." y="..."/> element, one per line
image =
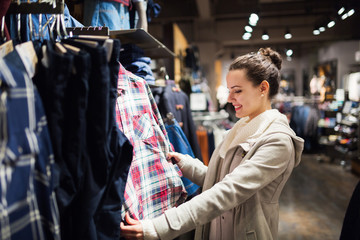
<point x="123" y="78"/>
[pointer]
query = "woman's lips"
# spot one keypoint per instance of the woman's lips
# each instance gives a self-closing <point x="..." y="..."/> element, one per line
<point x="237" y="107"/>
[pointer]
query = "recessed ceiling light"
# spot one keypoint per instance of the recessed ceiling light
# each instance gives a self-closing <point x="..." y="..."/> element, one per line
<point x="331" y="24"/>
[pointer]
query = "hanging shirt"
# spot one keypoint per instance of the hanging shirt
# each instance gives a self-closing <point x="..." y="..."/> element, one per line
<point x="174" y="100"/>
<point x="28" y="208"/>
<point x="153" y="184"/>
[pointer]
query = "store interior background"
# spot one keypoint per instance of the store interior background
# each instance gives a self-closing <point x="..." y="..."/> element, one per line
<point x="314" y="202"/>
<point x="316" y="198"/>
<point x="216" y="28"/>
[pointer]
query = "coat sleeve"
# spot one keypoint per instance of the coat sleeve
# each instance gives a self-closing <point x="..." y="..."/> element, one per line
<point x="268" y="162"/>
<point x="193" y="169"/>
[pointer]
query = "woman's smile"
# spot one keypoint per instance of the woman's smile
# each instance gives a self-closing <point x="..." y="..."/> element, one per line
<point x="237" y="107"/>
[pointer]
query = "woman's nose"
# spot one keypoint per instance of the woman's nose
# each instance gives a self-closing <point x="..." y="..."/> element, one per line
<point x="229" y="99"/>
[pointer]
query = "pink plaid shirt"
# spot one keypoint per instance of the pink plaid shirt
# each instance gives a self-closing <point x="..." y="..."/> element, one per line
<point x="154" y="184"/>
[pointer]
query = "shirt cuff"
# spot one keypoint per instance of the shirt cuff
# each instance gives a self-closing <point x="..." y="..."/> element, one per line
<point x="149" y="230"/>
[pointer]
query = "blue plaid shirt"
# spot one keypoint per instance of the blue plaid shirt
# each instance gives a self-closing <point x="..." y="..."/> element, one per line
<point x="28" y="208"/>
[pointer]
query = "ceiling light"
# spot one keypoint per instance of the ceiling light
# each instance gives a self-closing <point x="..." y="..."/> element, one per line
<point x="265" y="36"/>
<point x="331" y="24"/>
<point x="343" y="17"/>
<point x="248" y="29"/>
<point x="289" y="52"/>
<point x="253" y="19"/>
<point x="341" y="10"/>
<point x="316" y="32"/>
<point x="246" y="36"/>
<point x="252" y="23"/>
<point x="350" y="12"/>
<point x="321" y="29"/>
<point x="287" y="35"/>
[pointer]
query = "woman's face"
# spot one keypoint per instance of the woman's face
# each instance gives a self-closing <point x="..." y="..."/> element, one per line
<point x="247" y="99"/>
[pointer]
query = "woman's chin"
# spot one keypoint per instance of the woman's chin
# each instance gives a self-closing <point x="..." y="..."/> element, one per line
<point x="240" y="115"/>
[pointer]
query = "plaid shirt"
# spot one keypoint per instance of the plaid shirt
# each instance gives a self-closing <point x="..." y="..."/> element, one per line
<point x="153" y="184"/>
<point x="28" y="208"/>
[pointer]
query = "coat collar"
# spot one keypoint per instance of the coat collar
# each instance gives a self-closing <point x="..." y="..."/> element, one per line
<point x="245" y="133"/>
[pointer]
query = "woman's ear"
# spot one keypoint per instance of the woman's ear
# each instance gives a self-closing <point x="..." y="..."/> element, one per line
<point x="264" y="86"/>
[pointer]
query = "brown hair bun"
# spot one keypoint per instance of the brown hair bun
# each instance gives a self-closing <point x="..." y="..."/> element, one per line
<point x="274" y="56"/>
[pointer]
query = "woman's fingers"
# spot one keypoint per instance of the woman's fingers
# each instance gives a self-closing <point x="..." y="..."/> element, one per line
<point x="174" y="156"/>
<point x="130" y="220"/>
<point x="133" y="230"/>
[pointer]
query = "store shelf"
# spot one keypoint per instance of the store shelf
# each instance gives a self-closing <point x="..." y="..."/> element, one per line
<point x="209" y="116"/>
<point x="151" y="46"/>
<point x="349" y="123"/>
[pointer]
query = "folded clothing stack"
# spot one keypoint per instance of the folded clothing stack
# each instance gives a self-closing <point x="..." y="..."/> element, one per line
<point x="133" y="59"/>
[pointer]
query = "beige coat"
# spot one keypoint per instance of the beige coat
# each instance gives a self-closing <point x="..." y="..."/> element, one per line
<point x="249" y="192"/>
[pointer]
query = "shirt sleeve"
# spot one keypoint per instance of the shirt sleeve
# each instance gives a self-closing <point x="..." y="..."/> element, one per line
<point x="165" y="144"/>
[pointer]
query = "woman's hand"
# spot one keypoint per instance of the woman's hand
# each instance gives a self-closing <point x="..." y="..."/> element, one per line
<point x="175" y="157"/>
<point x="133" y="230"/>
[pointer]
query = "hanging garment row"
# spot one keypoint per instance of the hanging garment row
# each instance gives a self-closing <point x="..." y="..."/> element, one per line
<point x="87" y="157"/>
<point x="171" y="99"/>
<point x="82" y="141"/>
<point x="92" y="157"/>
<point x="174" y="106"/>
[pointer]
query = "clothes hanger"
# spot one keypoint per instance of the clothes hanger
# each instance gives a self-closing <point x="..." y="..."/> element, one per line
<point x="39" y="29"/>
<point x="47" y="25"/>
<point x="90" y="32"/>
<point x="87" y="42"/>
<point x="71" y="48"/>
<point x="170" y="118"/>
<point x="3" y="37"/>
<point x="30" y="24"/>
<point x="19" y="26"/>
<point x="60" y="48"/>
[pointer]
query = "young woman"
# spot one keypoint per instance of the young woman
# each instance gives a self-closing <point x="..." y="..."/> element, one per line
<point x="247" y="171"/>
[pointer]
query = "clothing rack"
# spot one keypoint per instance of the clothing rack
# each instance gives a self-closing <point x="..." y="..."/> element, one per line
<point x="152" y="47"/>
<point x="210" y="116"/>
<point x="55" y="8"/>
<point x="36" y="8"/>
<point x="93" y="31"/>
<point x="297" y="99"/>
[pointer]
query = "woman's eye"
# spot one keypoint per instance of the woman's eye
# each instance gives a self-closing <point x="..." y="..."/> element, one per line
<point x="238" y="91"/>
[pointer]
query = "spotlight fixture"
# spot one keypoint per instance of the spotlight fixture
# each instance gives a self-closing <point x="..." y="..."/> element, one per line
<point x="289" y="52"/>
<point x="253" y="19"/>
<point x="350" y="12"/>
<point x="321" y="29"/>
<point x="287" y="34"/>
<point x="341" y="10"/>
<point x="246" y="36"/>
<point x="265" y="36"/>
<point x="248" y="29"/>
<point x="316" y="32"/>
<point x="344" y="16"/>
<point x="331" y="24"/>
